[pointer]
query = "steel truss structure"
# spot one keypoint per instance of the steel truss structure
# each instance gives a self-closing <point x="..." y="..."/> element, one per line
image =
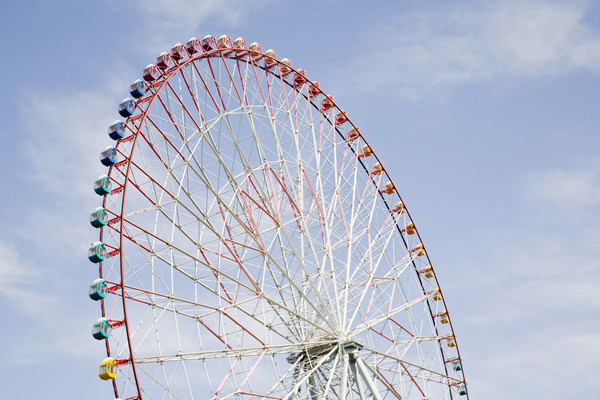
<point x="257" y="248"/>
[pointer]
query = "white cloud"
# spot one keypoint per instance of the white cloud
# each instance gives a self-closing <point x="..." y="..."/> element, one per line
<point x="575" y="191"/>
<point x="11" y="272"/>
<point x="433" y="51"/>
<point x="169" y="20"/>
<point x="525" y="299"/>
<point x="549" y="364"/>
<point x="49" y="322"/>
<point x="41" y="269"/>
<point x="187" y="12"/>
<point x="65" y="133"/>
<point x="525" y="303"/>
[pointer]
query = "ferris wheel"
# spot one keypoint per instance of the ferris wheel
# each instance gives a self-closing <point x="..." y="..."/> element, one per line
<point x="253" y="246"/>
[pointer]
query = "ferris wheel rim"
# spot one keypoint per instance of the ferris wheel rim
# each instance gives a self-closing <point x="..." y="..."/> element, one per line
<point x="163" y="81"/>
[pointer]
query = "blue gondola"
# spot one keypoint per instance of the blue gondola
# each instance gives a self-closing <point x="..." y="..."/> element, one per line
<point x="98" y="290"/>
<point x="99" y="217"/>
<point x="456" y="365"/>
<point x="462" y="389"/>
<point x="102" y="185"/>
<point x="109" y="156"/>
<point x="102" y="329"/>
<point x="137" y="89"/>
<point x="126" y="108"/>
<point x="97" y="252"/>
<point x="117" y="130"/>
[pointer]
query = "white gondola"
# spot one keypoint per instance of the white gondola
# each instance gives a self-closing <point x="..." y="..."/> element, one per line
<point x="271" y="58"/>
<point x="286" y="66"/>
<point x="224" y="44"/>
<point x="240" y="46"/>
<point x="255" y="50"/>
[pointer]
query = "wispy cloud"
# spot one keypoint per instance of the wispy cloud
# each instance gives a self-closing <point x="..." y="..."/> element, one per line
<point x="543" y="363"/>
<point x="527" y="289"/>
<point x="169" y="21"/>
<point x="50" y="323"/>
<point x="434" y="51"/>
<point x="576" y="191"/>
<point x="66" y="130"/>
<point x="174" y="13"/>
<point x="10" y="273"/>
<point x="65" y="133"/>
<point x="527" y="311"/>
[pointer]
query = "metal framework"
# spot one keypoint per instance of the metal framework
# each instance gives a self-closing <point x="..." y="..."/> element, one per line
<point x="255" y="250"/>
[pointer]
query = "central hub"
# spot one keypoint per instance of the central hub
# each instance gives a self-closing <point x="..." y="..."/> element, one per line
<point x="320" y="349"/>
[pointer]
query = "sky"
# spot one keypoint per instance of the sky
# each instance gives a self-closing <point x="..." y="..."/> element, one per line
<point x="484" y="112"/>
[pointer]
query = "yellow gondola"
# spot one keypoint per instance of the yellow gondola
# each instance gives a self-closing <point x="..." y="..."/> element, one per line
<point x="107" y="369"/>
<point x="399" y="208"/>
<point x="436" y="295"/>
<point x="388" y="188"/>
<point x="450" y="341"/>
<point x="419" y="249"/>
<point x="443" y="317"/>
<point x="427" y="272"/>
<point x="377" y="169"/>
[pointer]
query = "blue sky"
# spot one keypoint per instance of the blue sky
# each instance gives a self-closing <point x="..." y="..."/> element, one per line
<point x="485" y="112"/>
